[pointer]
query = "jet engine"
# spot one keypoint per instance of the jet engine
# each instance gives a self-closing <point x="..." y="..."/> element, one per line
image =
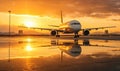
<point x="86" y="32"/>
<point x="53" y="33"/>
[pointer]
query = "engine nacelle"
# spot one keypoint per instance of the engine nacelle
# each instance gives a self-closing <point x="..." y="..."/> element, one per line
<point x="86" y="32"/>
<point x="53" y="33"/>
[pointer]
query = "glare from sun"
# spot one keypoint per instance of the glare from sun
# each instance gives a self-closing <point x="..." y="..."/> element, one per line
<point x="28" y="48"/>
<point x="29" y="23"/>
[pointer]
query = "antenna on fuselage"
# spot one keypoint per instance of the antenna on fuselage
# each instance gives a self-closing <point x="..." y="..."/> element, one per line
<point x="61" y="17"/>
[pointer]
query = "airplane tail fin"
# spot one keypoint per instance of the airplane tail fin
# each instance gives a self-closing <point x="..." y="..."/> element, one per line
<point x="61" y="17"/>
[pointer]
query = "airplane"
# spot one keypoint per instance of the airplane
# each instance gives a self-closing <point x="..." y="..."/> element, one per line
<point x="73" y="26"/>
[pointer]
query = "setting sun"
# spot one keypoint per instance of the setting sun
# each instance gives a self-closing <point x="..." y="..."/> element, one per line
<point x="28" y="48"/>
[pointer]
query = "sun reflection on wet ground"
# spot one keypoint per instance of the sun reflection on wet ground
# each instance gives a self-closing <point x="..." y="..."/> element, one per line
<point x="28" y="48"/>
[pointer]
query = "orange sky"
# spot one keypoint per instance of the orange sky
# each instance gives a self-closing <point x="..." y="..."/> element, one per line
<point x="91" y="13"/>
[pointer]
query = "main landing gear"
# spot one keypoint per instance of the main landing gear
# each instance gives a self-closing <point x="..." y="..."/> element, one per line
<point x="57" y="35"/>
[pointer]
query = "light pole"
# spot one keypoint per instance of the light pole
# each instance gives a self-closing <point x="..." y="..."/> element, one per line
<point x="9" y="22"/>
<point x="9" y="34"/>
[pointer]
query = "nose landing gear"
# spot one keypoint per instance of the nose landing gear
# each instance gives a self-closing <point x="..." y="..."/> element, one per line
<point x="76" y="35"/>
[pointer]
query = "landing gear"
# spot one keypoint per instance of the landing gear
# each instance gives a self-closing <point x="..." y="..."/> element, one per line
<point x="76" y="35"/>
<point x="57" y="35"/>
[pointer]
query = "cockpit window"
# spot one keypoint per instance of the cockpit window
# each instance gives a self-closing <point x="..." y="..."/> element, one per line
<point x="75" y="23"/>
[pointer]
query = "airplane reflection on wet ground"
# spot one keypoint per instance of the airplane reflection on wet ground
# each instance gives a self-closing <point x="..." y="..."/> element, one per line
<point x="51" y="54"/>
<point x="74" y="48"/>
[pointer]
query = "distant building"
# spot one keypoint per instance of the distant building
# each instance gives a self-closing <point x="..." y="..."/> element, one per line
<point x="20" y="32"/>
<point x="7" y="33"/>
<point x="106" y="32"/>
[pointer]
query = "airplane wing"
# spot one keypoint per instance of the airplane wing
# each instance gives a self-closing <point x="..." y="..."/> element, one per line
<point x="53" y="25"/>
<point x="49" y="29"/>
<point x="98" y="28"/>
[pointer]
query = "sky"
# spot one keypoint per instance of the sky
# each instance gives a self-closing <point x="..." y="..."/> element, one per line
<point x="40" y="13"/>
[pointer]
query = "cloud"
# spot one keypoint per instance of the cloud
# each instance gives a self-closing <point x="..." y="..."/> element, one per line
<point x="92" y="8"/>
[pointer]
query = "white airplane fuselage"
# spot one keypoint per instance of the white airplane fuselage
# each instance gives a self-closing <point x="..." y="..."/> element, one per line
<point x="73" y="26"/>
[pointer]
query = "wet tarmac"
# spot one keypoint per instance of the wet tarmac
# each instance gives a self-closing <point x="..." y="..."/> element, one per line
<point x="45" y="53"/>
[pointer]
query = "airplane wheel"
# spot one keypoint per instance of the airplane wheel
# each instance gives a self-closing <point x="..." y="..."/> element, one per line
<point x="76" y="36"/>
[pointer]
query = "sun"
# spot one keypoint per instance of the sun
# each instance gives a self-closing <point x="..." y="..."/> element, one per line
<point x="29" y="23"/>
<point x="28" y="48"/>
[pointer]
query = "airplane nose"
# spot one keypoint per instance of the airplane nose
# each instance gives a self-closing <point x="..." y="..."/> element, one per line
<point x="76" y="27"/>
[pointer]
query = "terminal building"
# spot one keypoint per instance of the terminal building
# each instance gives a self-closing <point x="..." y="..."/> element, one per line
<point x="20" y="32"/>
